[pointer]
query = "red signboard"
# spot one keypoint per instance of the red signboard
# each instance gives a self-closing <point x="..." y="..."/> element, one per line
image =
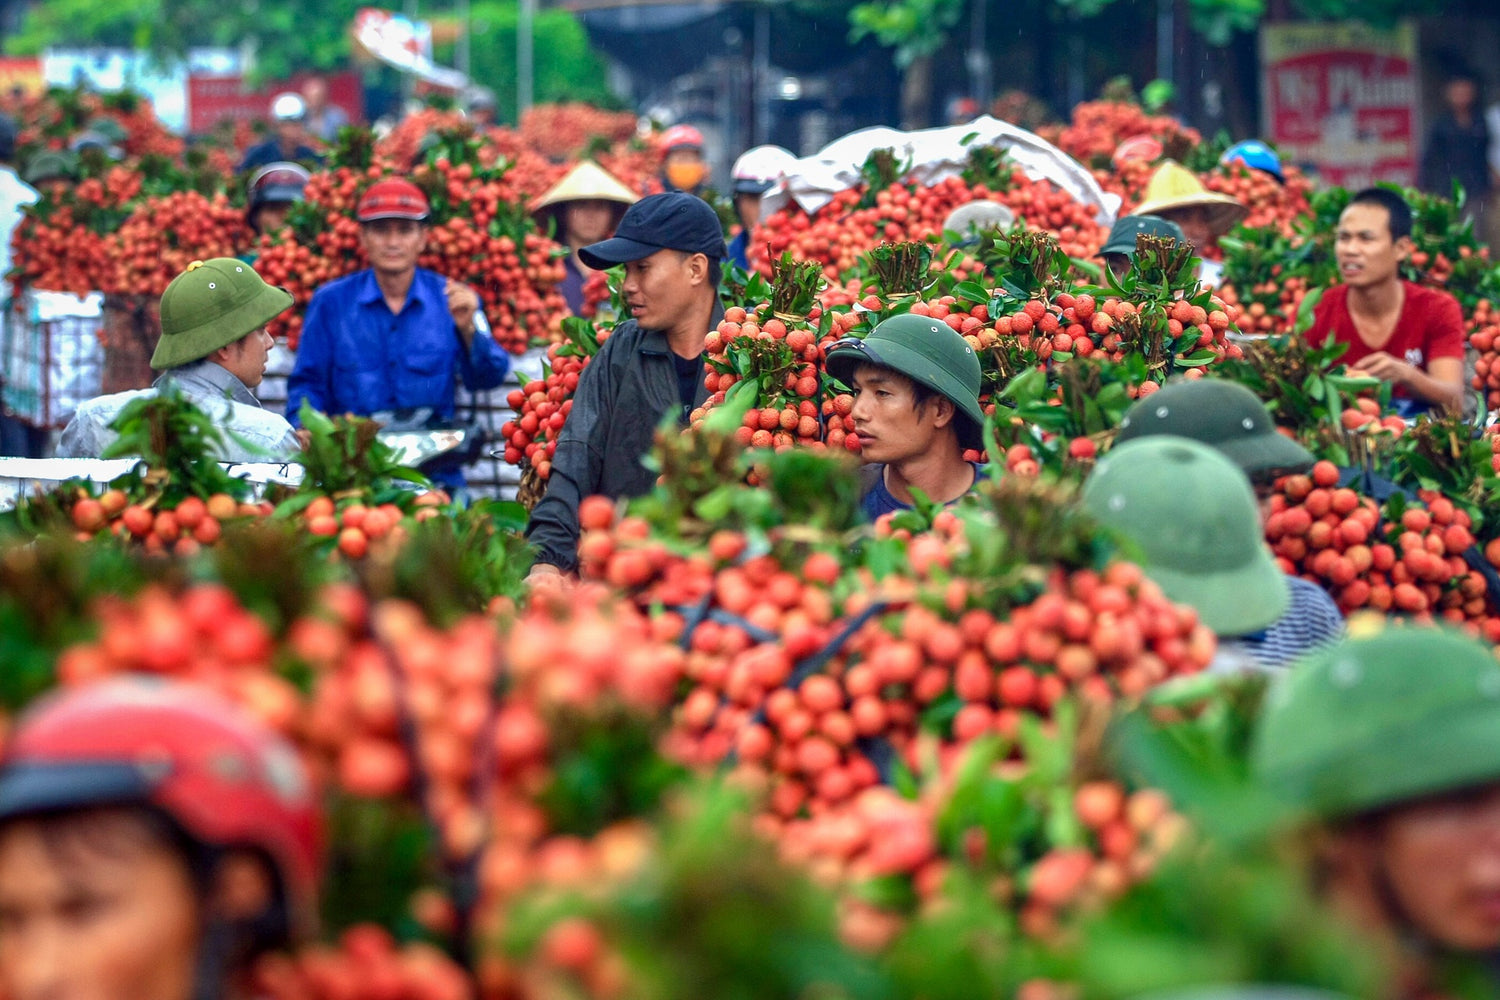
<point x="212" y="99"/>
<point x="1342" y="99"/>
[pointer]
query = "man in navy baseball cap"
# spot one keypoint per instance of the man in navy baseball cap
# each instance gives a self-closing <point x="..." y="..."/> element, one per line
<point x="672" y="221"/>
<point x="672" y="247"/>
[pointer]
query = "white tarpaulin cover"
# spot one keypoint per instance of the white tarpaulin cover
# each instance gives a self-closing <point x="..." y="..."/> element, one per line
<point x="23" y="476"/>
<point x="935" y="154"/>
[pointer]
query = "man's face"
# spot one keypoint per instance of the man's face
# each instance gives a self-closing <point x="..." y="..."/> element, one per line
<point x="589" y="221"/>
<point x="685" y="167"/>
<point x="105" y="912"/>
<point x="663" y="289"/>
<point x="891" y="426"/>
<point x="289" y="134"/>
<point x="1363" y="247"/>
<point x="393" y="245"/>
<point x="747" y="206"/>
<point x="315" y="94"/>
<point x="1441" y="862"/>
<point x="1194" y="220"/>
<point x="1460" y="95"/>
<point x="271" y="217"/>
<point x="246" y="358"/>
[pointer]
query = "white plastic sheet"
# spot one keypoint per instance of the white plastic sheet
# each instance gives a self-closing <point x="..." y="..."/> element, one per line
<point x="22" y="476"/>
<point x="935" y="154"/>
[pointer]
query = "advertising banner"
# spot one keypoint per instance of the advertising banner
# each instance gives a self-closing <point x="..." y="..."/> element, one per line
<point x="1341" y="100"/>
<point x="213" y="97"/>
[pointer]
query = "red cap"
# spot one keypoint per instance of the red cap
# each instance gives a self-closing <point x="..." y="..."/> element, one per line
<point x="393" y="198"/>
<point x="680" y="136"/>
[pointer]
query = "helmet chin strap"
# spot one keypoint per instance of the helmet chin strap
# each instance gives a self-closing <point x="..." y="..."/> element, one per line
<point x="1409" y="936"/>
<point x="215" y="951"/>
<point x="230" y="945"/>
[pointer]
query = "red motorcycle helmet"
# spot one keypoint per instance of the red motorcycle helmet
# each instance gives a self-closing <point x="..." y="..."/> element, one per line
<point x="224" y="779"/>
<point x="1137" y="147"/>
<point x="681" y="137"/>
<point x="393" y="198"/>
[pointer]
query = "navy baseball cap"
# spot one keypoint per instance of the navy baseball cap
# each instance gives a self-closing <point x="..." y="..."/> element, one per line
<point x="672" y="221"/>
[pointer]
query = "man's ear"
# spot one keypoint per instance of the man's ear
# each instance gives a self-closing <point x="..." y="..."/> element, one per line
<point x="1404" y="247"/>
<point x="943" y="411"/>
<point x="243" y="887"/>
<point x="697" y="265"/>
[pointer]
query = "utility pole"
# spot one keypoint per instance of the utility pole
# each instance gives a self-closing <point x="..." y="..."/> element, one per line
<point x="409" y="80"/>
<point x="461" y="46"/>
<point x="524" y="55"/>
<point x="978" y="58"/>
<point x="762" y="73"/>
<point x="1166" y="32"/>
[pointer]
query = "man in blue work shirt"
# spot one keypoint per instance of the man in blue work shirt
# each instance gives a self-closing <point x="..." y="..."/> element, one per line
<point x="393" y="336"/>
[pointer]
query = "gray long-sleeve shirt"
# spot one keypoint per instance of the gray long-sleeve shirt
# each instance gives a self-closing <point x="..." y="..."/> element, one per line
<point x="253" y="434"/>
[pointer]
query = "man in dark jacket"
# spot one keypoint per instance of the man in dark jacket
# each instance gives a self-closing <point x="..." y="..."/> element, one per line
<point x="288" y="138"/>
<point x="1458" y="146"/>
<point x="651" y="365"/>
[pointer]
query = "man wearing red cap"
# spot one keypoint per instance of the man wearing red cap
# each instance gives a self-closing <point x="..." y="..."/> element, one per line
<point x="393" y="336"/>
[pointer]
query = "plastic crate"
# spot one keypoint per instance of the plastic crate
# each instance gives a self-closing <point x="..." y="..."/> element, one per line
<point x="52" y="355"/>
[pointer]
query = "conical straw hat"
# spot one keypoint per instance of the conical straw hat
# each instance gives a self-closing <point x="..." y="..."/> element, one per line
<point x="586" y="182"/>
<point x="1174" y="186"/>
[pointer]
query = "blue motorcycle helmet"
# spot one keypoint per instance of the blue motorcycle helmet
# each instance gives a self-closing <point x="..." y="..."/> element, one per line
<point x="1256" y="155"/>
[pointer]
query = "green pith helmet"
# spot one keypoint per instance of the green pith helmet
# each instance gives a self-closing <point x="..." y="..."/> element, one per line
<point x="1376" y="721"/>
<point x="51" y="164"/>
<point x="927" y="351"/>
<point x="1193" y="514"/>
<point x="1123" y="233"/>
<point x="211" y="305"/>
<point x="107" y="128"/>
<point x="1220" y="413"/>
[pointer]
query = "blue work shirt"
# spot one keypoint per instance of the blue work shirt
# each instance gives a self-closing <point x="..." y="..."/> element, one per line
<point x="356" y="356"/>
<point x="739" y="249"/>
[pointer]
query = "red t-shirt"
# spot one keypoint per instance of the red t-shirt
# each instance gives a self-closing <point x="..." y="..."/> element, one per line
<point x="1431" y="325"/>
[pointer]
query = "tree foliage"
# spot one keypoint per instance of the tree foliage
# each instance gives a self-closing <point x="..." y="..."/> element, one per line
<point x="565" y="66"/>
<point x="292" y="35"/>
<point x="914" y="28"/>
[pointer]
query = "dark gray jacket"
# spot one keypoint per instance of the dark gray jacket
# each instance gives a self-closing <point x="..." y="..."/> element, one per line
<point x="621" y="397"/>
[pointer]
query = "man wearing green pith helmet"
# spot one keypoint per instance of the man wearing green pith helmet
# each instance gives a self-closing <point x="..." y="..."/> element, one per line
<point x="1385" y="751"/>
<point x="1232" y="420"/>
<point x="916" y="410"/>
<point x="213" y="350"/>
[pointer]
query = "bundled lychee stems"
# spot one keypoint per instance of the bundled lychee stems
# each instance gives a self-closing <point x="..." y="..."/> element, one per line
<point x="901" y="268"/>
<point x="794" y="287"/>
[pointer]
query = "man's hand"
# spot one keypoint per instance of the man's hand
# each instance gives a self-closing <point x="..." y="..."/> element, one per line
<point x="1384" y="367"/>
<point x="304" y="437"/>
<point x="1442" y="384"/>
<point x="463" y="305"/>
<point x="545" y="575"/>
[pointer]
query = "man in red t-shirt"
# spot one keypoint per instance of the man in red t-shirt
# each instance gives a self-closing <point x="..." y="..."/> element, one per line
<point x="1398" y="332"/>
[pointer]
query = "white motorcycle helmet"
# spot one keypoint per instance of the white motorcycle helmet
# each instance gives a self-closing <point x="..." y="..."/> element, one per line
<point x="759" y="168"/>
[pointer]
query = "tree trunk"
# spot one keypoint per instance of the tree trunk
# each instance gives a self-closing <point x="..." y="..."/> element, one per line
<point x="916" y="94"/>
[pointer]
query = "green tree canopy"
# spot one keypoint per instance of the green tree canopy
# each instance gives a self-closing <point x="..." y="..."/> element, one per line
<point x="292" y="35"/>
<point x="565" y="67"/>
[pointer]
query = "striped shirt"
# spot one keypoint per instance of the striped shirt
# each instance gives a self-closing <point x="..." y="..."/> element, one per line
<point x="1312" y="619"/>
